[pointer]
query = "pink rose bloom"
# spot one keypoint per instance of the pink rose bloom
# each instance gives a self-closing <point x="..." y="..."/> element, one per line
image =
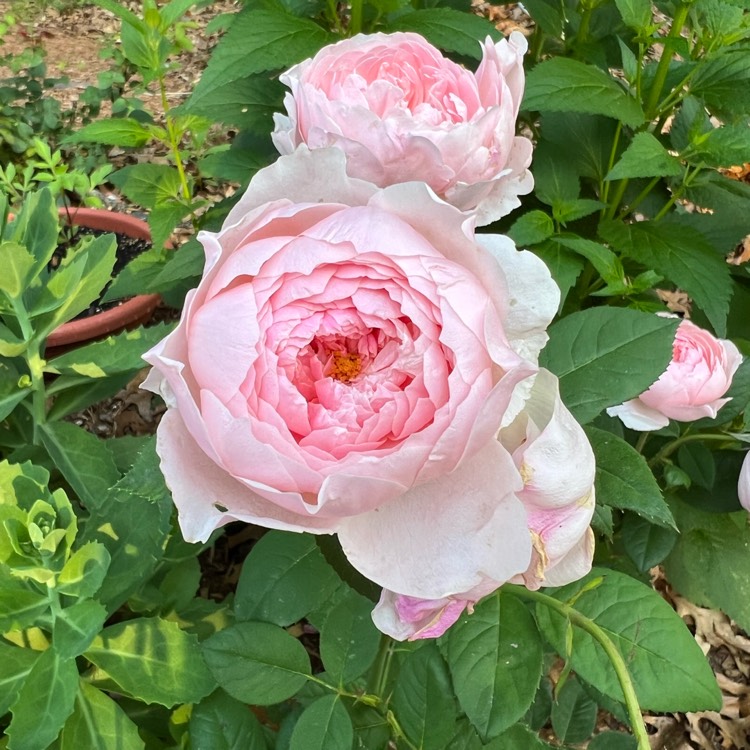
<point x="402" y="112"/>
<point x="346" y="365"/>
<point x="692" y="387"/>
<point x="556" y="464"/>
<point x="743" y="488"/>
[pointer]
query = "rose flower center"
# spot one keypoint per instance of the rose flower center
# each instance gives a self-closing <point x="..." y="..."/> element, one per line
<point x="344" y="366"/>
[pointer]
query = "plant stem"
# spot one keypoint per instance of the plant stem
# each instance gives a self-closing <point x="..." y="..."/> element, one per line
<point x="618" y="663"/>
<point x="35" y="363"/>
<point x="614" y="204"/>
<point x="641" y="444"/>
<point x="355" y="19"/>
<point x="639" y="198"/>
<point x="662" y="69"/>
<point x="379" y="672"/>
<point x="368" y="698"/>
<point x="670" y="448"/>
<point x="174" y="141"/>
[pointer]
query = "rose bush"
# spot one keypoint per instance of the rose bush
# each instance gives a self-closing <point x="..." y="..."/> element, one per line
<point x="402" y="112"/>
<point x="356" y="361"/>
<point x="692" y="386"/>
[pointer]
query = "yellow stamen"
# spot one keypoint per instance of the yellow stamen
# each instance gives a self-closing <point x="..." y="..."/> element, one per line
<point x="344" y="366"/>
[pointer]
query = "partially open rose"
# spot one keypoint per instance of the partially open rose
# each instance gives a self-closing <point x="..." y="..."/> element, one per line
<point x="693" y="385"/>
<point x="401" y="112"/>
<point x="346" y="365"/>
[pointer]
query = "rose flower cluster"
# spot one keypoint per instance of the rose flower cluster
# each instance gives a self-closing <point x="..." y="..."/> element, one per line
<point x="357" y="361"/>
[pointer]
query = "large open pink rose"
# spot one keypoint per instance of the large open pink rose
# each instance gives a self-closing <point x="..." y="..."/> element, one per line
<point x="693" y="385"/>
<point x="356" y="361"/>
<point x="401" y="112"/>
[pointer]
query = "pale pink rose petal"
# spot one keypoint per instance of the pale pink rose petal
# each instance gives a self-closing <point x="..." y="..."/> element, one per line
<point x="743" y="487"/>
<point x="447" y="536"/>
<point x="406" y="618"/>
<point x="637" y="416"/>
<point x="400" y="111"/>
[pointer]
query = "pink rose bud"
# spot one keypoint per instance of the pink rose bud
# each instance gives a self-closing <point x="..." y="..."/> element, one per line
<point x="692" y="387"/>
<point x="402" y="112"/>
<point x="743" y="487"/>
<point x="357" y="361"/>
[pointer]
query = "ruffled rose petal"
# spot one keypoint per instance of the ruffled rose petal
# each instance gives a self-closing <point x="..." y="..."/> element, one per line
<point x="447" y="536"/>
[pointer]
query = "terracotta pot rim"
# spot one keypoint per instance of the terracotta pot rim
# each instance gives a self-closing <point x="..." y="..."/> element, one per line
<point x="130" y="311"/>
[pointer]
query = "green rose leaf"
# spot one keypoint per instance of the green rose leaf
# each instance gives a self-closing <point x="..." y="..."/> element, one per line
<point x="257" y="662"/>
<point x="423" y="700"/>
<point x="284" y="578"/>
<point x="219" y="722"/>
<point x="573" y="713"/>
<point x="624" y="480"/>
<point x="605" y="355"/>
<point x="668" y="669"/>
<point x="495" y="659"/>
<point x="323" y="725"/>
<point x="709" y="563"/>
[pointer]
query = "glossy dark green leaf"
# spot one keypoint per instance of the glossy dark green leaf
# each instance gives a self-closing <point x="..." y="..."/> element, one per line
<point x="573" y="713"/>
<point x="323" y="725"/>
<point x="219" y="722"/>
<point x="495" y="659"/>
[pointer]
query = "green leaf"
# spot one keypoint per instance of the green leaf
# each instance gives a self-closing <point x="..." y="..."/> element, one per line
<point x="323" y="725"/>
<point x="722" y="81"/>
<point x="668" y="669"/>
<point x="555" y="179"/>
<point x="257" y="41"/>
<point x="78" y="392"/>
<point x="133" y="526"/>
<point x="573" y="713"/>
<point x="645" y="157"/>
<point x="423" y="701"/>
<point x="709" y="563"/>
<point x="36" y="228"/>
<point x="18" y="264"/>
<point x="153" y="660"/>
<point x="149" y="185"/>
<point x="84" y="571"/>
<point x="348" y="639"/>
<point x="44" y="702"/>
<point x="624" y="480"/>
<point x="257" y="662"/>
<point x="10" y="344"/>
<point x="448" y="29"/>
<point x="76" y="627"/>
<point x="564" y="266"/>
<point x="15" y="665"/>
<point x="531" y="228"/>
<point x="564" y="85"/>
<point x="119" y="131"/>
<point x="547" y="15"/>
<point x="219" y="722"/>
<point x="20" y="607"/>
<point x="163" y="220"/>
<point x="721" y="147"/>
<point x="646" y="544"/>
<point x="683" y="256"/>
<point x="284" y="578"/>
<point x="495" y="659"/>
<point x="593" y="136"/>
<point x="12" y="388"/>
<point x="79" y="280"/>
<point x="604" y="356"/>
<point x="635" y="13"/>
<point x="518" y="737"/>
<point x="116" y="354"/>
<point x="248" y="103"/>
<point x="606" y="263"/>
<point x="84" y="460"/>
<point x="98" y="723"/>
